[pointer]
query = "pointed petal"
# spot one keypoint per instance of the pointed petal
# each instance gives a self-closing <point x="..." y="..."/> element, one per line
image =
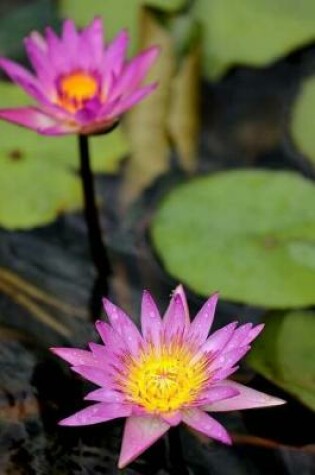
<point x="41" y="64"/>
<point x="216" y="342"/>
<point x="201" y="324"/>
<point x="124" y="326"/>
<point x="105" y="395"/>
<point x="239" y="337"/>
<point x="151" y="322"/>
<point x="75" y="356"/>
<point x="131" y="100"/>
<point x="218" y="393"/>
<point x="96" y="414"/>
<point x="134" y="73"/>
<point x="140" y="432"/>
<point x="33" y="118"/>
<point x="174" y="320"/>
<point x="115" y="55"/>
<point x="253" y="334"/>
<point x="223" y="373"/>
<point x="70" y="44"/>
<point x="95" y="375"/>
<point x="180" y="291"/>
<point x="205" y="424"/>
<point x="23" y="78"/>
<point x="247" y="398"/>
<point x="227" y="360"/>
<point x="112" y="339"/>
<point x="93" y="35"/>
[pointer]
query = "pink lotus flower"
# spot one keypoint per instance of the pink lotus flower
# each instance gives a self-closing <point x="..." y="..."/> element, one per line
<point x="80" y="85"/>
<point x="171" y="373"/>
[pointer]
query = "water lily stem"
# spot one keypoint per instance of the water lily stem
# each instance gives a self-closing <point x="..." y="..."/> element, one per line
<point x="98" y="249"/>
<point x="177" y="463"/>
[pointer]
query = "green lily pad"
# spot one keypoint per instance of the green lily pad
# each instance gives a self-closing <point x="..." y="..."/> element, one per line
<point x="249" y="234"/>
<point x="117" y="14"/>
<point x="285" y="354"/>
<point x="34" y="192"/>
<point x="303" y="119"/>
<point x="252" y="32"/>
<point x="37" y="173"/>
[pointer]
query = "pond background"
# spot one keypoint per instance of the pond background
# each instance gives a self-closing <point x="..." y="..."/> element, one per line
<point x="46" y="277"/>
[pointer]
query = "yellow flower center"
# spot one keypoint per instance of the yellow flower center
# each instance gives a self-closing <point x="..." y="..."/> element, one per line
<point x="165" y="380"/>
<point x="75" y="89"/>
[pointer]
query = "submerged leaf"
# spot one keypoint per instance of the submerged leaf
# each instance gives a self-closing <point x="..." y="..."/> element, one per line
<point x="285" y="354"/>
<point x="250" y="234"/>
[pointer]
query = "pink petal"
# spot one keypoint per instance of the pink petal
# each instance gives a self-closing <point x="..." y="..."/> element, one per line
<point x="217" y="393"/>
<point x="23" y="78"/>
<point x="111" y="338"/>
<point x="174" y="321"/>
<point x="254" y="333"/>
<point x="246" y="399"/>
<point x="95" y="375"/>
<point x="105" y="395"/>
<point x="140" y="432"/>
<point x="114" y="57"/>
<point x="180" y="291"/>
<point x="227" y="360"/>
<point x="151" y="322"/>
<point x="223" y="373"/>
<point x="134" y="73"/>
<point x="124" y="326"/>
<point x="41" y="65"/>
<point x="93" y="35"/>
<point x="218" y="339"/>
<point x="172" y="418"/>
<point x="75" y="356"/>
<point x="130" y="101"/>
<point x="33" y="118"/>
<point x="239" y="337"/>
<point x="99" y="351"/>
<point x="57" y="52"/>
<point x="205" y="424"/>
<point x="201" y="324"/>
<point x="97" y="413"/>
<point x="70" y="43"/>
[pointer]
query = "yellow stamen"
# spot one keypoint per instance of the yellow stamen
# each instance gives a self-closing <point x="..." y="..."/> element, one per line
<point x="165" y="380"/>
<point x="75" y="88"/>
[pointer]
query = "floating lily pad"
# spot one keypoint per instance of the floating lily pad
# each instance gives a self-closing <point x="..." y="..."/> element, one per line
<point x="253" y="32"/>
<point x="303" y="120"/>
<point x="37" y="173"/>
<point x="249" y="234"/>
<point x="285" y="354"/>
<point x="34" y="192"/>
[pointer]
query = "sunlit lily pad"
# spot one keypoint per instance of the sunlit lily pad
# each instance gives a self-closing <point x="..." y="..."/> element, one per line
<point x="285" y="354"/>
<point x="303" y="120"/>
<point x="38" y="177"/>
<point x="249" y="234"/>
<point x="253" y="32"/>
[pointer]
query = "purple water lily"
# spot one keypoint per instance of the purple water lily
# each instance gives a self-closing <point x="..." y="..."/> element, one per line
<point x="80" y="85"/>
<point x="172" y="372"/>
